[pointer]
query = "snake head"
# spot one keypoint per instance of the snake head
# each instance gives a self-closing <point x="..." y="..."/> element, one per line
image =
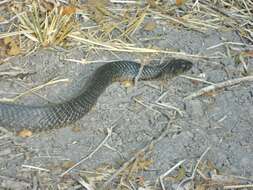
<point x="179" y="66"/>
<point x="174" y="68"/>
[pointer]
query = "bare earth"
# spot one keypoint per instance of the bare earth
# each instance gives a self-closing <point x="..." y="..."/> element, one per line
<point x="219" y="123"/>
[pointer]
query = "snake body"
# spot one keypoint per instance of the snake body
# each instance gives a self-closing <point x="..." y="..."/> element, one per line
<point x="42" y="117"/>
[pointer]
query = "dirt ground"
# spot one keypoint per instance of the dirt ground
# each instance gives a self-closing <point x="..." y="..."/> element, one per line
<point x="216" y="127"/>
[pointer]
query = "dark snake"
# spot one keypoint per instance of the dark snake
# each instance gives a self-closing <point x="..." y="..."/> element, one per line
<point x="43" y="117"/>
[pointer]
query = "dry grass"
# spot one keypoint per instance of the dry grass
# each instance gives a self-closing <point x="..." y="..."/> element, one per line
<point x="107" y="27"/>
<point x="46" y="29"/>
<point x="113" y="29"/>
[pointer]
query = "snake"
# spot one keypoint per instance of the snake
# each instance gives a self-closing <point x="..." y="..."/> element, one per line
<point x="15" y="116"/>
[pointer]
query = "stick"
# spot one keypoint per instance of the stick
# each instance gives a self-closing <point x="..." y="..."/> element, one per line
<point x="194" y="170"/>
<point x="35" y="168"/>
<point x="83" y="183"/>
<point x="4" y="1"/>
<point x="217" y="86"/>
<point x="238" y="186"/>
<point x="154" y="141"/>
<point x="109" y="132"/>
<point x="168" y="172"/>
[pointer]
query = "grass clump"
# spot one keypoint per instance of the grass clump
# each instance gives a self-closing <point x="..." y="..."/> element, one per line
<point x="47" y="28"/>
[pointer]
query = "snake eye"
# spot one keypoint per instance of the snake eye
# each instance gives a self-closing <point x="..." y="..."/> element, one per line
<point x="187" y="65"/>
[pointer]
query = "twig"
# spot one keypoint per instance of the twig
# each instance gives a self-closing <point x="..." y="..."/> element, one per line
<point x="200" y="159"/>
<point x="4" y="1"/>
<point x="82" y="182"/>
<point x="196" y="4"/>
<point x="160" y="104"/>
<point x="109" y="133"/>
<point x="154" y="141"/>
<point x="195" y="169"/>
<point x="122" y="2"/>
<point x="196" y="79"/>
<point x="35" y="167"/>
<point x="228" y="43"/>
<point x="162" y="96"/>
<point x="168" y="172"/>
<point x="84" y="61"/>
<point x="217" y="86"/>
<point x="4" y="35"/>
<point x="150" y="107"/>
<point x="238" y="186"/>
<point x="11" y="19"/>
<point x="166" y="105"/>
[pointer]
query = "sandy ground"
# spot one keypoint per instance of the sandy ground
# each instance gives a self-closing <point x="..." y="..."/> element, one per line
<point x="222" y="122"/>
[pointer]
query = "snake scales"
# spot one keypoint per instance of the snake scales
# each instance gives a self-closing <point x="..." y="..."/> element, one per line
<point x="42" y="117"/>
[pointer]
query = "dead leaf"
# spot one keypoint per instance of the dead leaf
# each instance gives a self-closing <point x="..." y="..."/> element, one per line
<point x="179" y="176"/>
<point x="103" y="172"/>
<point x="127" y="84"/>
<point x="150" y="26"/>
<point x="25" y="133"/>
<point x="7" y="40"/>
<point x="210" y="94"/>
<point x="68" y="10"/>
<point x="10" y="46"/>
<point x="140" y="180"/>
<point x="76" y="129"/>
<point x="108" y="27"/>
<point x="200" y="187"/>
<point x="13" y="49"/>
<point x="144" y="164"/>
<point x="140" y="164"/>
<point x="248" y="53"/>
<point x="2" y="19"/>
<point x="180" y="2"/>
<point x="152" y="3"/>
<point x="67" y="164"/>
<point x="212" y="167"/>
